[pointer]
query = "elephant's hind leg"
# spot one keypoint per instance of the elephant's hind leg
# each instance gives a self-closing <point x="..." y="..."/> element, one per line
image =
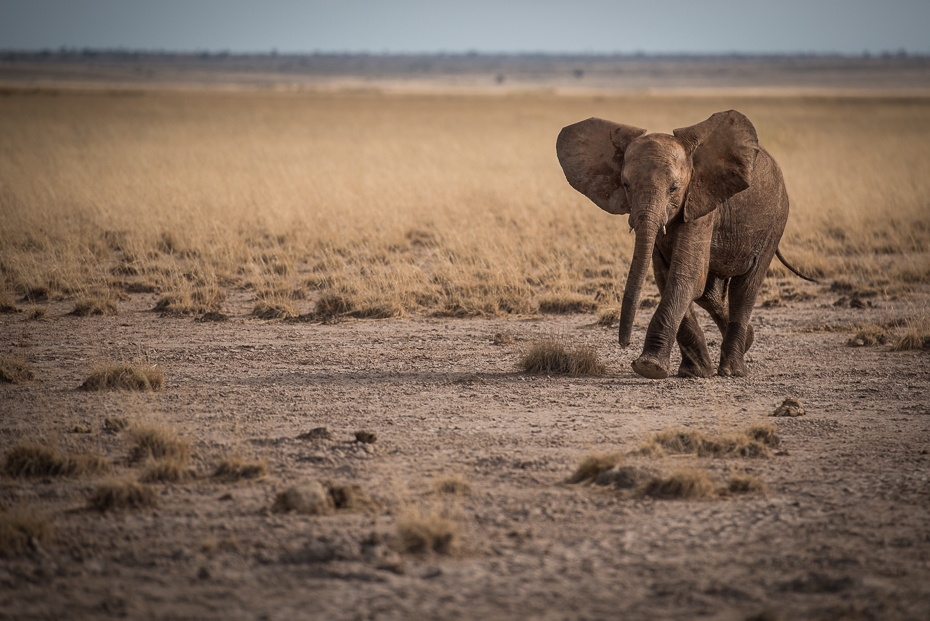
<point x="714" y="301"/>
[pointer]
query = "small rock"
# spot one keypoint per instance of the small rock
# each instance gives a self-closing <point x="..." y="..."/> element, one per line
<point x="367" y="437"/>
<point x="789" y="407"/>
<point x="317" y="433"/>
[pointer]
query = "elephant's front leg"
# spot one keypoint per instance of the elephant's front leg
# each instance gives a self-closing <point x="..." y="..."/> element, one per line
<point x="695" y="359"/>
<point x="680" y="283"/>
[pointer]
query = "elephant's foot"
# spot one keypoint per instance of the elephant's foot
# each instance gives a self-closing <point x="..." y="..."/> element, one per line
<point x="650" y="367"/>
<point x="732" y="367"/>
<point x="688" y="369"/>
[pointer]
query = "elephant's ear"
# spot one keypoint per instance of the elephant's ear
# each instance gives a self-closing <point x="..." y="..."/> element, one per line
<point x="723" y="151"/>
<point x="591" y="155"/>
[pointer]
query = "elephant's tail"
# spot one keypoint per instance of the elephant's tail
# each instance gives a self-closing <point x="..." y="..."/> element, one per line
<point x="791" y="267"/>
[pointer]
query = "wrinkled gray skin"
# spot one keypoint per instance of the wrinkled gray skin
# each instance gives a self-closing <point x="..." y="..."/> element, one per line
<point x="708" y="206"/>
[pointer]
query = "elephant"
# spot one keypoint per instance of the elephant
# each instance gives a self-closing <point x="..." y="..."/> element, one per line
<point x="708" y="206"/>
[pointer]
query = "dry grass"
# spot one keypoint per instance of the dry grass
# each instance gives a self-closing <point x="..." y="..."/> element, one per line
<point x="550" y="357"/>
<point x="15" y="370"/>
<point x="421" y="532"/>
<point x="747" y="484"/>
<point x="274" y="307"/>
<point x="236" y="468"/>
<point x="683" y="483"/>
<point x="167" y="470"/>
<point x="908" y="334"/>
<point x="453" y="484"/>
<point x="461" y="209"/>
<point x="21" y="530"/>
<point x="95" y="303"/>
<point x="754" y="441"/>
<point x="122" y="494"/>
<point x="125" y="377"/>
<point x="152" y="442"/>
<point x="43" y="460"/>
<point x="592" y="466"/>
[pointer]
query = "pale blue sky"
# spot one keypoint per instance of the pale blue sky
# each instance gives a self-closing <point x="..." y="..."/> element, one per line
<point x="587" y="26"/>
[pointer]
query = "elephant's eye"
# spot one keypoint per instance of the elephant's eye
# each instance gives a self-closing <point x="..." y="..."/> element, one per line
<point x="674" y="188"/>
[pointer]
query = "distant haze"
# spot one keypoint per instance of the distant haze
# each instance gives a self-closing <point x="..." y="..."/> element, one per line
<point x="423" y="26"/>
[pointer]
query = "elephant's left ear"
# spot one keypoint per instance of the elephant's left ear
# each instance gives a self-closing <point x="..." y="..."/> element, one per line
<point x="723" y="152"/>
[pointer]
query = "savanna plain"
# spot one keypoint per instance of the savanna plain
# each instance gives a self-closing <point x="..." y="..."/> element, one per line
<point x="299" y="354"/>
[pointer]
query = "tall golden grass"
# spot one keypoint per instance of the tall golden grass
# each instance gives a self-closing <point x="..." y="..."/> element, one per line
<point x="378" y="205"/>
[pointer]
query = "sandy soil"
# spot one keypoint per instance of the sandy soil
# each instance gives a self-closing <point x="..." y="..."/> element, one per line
<point x="844" y="533"/>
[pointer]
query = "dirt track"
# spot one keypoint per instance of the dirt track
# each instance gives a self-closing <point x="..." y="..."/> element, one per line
<point x="843" y="534"/>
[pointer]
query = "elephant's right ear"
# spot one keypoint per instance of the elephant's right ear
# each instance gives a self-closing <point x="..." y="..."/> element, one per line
<point x="591" y="155"/>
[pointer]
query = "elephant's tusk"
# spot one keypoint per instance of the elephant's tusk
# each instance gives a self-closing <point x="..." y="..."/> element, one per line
<point x="663" y="229"/>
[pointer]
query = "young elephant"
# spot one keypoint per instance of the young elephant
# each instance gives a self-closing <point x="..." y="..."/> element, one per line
<point x="708" y="205"/>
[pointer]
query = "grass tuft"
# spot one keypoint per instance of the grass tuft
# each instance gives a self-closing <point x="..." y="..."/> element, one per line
<point x="95" y="304"/>
<point x="155" y="443"/>
<point x="592" y="466"/>
<point x="236" y="468"/>
<point x="22" y="530"/>
<point x="167" y="470"/>
<point x="274" y="307"/>
<point x="747" y="484"/>
<point x="550" y="357"/>
<point x="125" y="377"/>
<point x="752" y="442"/>
<point x="42" y="460"/>
<point x="122" y="494"/>
<point x="567" y="303"/>
<point x="453" y="484"/>
<point x="15" y="371"/>
<point x="684" y="484"/>
<point x="421" y="533"/>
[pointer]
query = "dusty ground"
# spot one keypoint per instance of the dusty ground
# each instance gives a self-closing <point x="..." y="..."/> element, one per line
<point x="844" y="533"/>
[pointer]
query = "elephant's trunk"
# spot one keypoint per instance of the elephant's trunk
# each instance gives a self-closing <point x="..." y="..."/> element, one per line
<point x="646" y="231"/>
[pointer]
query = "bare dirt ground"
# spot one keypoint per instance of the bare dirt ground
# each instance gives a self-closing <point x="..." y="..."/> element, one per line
<point x="843" y="533"/>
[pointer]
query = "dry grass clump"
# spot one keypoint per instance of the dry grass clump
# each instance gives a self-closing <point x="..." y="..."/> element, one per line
<point x="14" y="371"/>
<point x="157" y="443"/>
<point x="274" y="307"/>
<point x="333" y="305"/>
<point x="550" y="357"/>
<point x="747" y="484"/>
<point x="42" y="460"/>
<point x="752" y="442"/>
<point x="683" y="483"/>
<point x="915" y="334"/>
<point x="236" y="468"/>
<point x="8" y="305"/>
<point x="122" y="494"/>
<point x="167" y="470"/>
<point x="187" y="300"/>
<point x="453" y="484"/>
<point x="99" y="303"/>
<point x="593" y="465"/>
<point x="22" y="530"/>
<point x="417" y="532"/>
<point x="567" y="303"/>
<point x="869" y="335"/>
<point x="609" y="317"/>
<point x="125" y="377"/>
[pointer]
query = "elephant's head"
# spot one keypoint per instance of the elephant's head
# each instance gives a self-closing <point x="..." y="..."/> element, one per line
<point x="656" y="177"/>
